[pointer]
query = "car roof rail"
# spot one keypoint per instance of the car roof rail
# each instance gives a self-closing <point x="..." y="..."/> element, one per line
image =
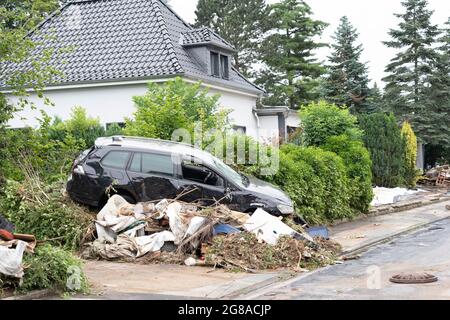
<point x="120" y="138"/>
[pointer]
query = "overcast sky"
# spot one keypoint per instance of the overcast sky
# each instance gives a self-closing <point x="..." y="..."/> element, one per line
<point x="372" y="18"/>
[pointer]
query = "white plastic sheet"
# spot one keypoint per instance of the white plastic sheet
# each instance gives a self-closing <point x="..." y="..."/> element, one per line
<point x="11" y="260"/>
<point x="267" y="227"/>
<point x="153" y="242"/>
<point x="390" y="195"/>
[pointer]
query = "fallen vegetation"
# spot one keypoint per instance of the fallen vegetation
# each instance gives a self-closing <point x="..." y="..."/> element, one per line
<point x="244" y="252"/>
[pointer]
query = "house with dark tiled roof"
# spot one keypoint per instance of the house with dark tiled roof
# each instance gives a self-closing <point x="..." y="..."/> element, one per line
<point x="113" y="48"/>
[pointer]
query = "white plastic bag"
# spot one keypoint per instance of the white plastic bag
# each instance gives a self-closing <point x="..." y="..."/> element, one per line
<point x="11" y="260"/>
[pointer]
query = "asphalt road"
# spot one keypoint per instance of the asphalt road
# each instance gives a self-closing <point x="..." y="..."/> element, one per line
<point x="426" y="250"/>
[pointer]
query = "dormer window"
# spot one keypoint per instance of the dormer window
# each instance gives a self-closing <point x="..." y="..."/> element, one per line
<point x="215" y="68"/>
<point x="224" y="67"/>
<point x="220" y="65"/>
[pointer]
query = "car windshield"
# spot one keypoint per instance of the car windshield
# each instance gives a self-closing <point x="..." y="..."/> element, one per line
<point x="229" y="173"/>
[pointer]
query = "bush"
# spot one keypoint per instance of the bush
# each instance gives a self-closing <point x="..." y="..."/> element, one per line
<point x="79" y="126"/>
<point x="174" y="105"/>
<point x="359" y="169"/>
<point x="55" y="268"/>
<point x="411" y="172"/>
<point x="316" y="180"/>
<point x="51" y="158"/>
<point x="322" y="120"/>
<point x="386" y="145"/>
<point x="46" y="213"/>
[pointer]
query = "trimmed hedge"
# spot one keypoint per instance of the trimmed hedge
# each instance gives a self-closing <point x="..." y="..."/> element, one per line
<point x="317" y="182"/>
<point x="359" y="169"/>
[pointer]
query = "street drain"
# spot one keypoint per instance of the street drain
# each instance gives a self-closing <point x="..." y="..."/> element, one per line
<point x="413" y="278"/>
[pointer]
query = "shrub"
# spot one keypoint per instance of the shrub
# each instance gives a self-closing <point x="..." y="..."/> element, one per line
<point x="386" y="145"/>
<point x="45" y="212"/>
<point x="322" y="120"/>
<point x="359" y="169"/>
<point x="174" y="105"/>
<point x="79" y="126"/>
<point x="113" y="130"/>
<point x="53" y="267"/>
<point x="316" y="180"/>
<point x="411" y="173"/>
<point x="51" y="158"/>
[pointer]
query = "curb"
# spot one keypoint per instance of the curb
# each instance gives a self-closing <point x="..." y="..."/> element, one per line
<point x="283" y="276"/>
<point x="37" y="294"/>
<point x="390" y="237"/>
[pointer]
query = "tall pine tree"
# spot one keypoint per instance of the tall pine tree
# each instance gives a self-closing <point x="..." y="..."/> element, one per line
<point x="239" y="22"/>
<point x="347" y="81"/>
<point x="409" y="71"/>
<point x="290" y="69"/>
<point x="436" y="131"/>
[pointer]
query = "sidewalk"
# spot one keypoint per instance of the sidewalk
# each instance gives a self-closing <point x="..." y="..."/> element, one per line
<point x="358" y="235"/>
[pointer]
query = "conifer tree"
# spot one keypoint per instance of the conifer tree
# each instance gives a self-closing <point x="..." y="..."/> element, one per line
<point x="347" y="81"/>
<point x="409" y="71"/>
<point x="239" y="22"/>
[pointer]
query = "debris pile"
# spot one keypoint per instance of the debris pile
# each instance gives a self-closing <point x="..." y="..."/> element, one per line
<point x="437" y="176"/>
<point x="172" y="231"/>
<point x="244" y="251"/>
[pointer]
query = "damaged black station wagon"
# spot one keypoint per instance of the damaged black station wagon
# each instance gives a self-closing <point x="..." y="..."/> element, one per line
<point x="142" y="170"/>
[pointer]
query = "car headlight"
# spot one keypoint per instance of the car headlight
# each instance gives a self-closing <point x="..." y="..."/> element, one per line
<point x="285" y="209"/>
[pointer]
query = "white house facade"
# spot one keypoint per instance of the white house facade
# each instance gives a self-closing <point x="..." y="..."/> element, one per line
<point x="118" y="46"/>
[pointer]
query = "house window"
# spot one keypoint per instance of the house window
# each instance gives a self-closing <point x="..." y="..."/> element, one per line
<point x="215" y="68"/>
<point x="220" y="65"/>
<point x="224" y="67"/>
<point x="240" y="129"/>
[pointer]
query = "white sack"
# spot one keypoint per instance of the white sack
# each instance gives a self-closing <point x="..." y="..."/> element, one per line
<point x="153" y="242"/>
<point x="267" y="227"/>
<point x="11" y="260"/>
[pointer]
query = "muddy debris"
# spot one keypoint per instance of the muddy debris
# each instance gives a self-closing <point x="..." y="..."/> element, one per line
<point x="175" y="232"/>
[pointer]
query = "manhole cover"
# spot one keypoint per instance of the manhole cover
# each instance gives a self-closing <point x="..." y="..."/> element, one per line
<point x="422" y="277"/>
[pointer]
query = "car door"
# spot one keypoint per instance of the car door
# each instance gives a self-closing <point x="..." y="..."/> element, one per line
<point x="111" y="170"/>
<point x="210" y="187"/>
<point x="152" y="175"/>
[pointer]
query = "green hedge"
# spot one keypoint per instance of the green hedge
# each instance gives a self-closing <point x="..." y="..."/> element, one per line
<point x="383" y="139"/>
<point x="358" y="165"/>
<point x="316" y="180"/>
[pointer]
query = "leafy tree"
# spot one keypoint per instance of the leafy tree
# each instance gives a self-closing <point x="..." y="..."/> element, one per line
<point x="347" y="81"/>
<point x="238" y="22"/>
<point x="410" y="69"/>
<point x="323" y="120"/>
<point x="17" y="18"/>
<point x="386" y="145"/>
<point x="175" y="105"/>
<point x="290" y="69"/>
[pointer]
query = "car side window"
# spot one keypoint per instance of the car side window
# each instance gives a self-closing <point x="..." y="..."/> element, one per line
<point x="157" y="163"/>
<point x="116" y="159"/>
<point x="135" y="165"/>
<point x="199" y="173"/>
